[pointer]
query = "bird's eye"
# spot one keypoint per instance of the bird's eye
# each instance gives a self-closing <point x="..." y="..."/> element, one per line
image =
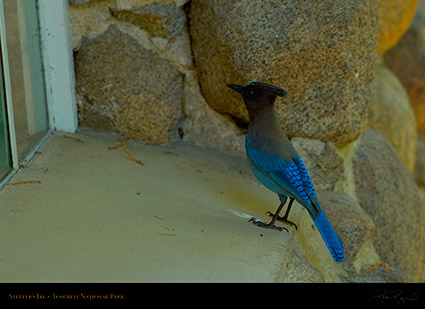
<point x="251" y="92"/>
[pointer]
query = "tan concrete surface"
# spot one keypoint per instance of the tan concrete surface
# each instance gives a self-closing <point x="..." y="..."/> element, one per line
<point x="97" y="216"/>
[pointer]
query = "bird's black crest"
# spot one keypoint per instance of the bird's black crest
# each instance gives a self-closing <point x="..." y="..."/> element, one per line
<point x="259" y="86"/>
<point x="270" y="88"/>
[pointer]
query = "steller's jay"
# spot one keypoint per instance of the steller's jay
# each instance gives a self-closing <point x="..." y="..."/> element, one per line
<point x="277" y="165"/>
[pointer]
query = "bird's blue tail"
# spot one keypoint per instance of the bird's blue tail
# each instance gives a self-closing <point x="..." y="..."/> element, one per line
<point x="331" y="239"/>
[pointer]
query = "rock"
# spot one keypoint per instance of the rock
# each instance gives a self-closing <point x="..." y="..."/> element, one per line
<point x="206" y="127"/>
<point x="296" y="267"/>
<point x="128" y="3"/>
<point x="80" y="2"/>
<point x="392" y="114"/>
<point x="88" y="21"/>
<point x="349" y="220"/>
<point x="324" y="165"/>
<point x="352" y="225"/>
<point x="380" y="275"/>
<point x="165" y="25"/>
<point x="388" y="194"/>
<point x="323" y="55"/>
<point x="419" y="173"/>
<point x="407" y="61"/>
<point x="159" y="27"/>
<point x="159" y="20"/>
<point x="127" y="89"/>
<point x="395" y="17"/>
<point x="131" y="4"/>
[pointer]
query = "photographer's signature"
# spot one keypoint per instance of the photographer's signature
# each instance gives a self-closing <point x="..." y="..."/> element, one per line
<point x="397" y="296"/>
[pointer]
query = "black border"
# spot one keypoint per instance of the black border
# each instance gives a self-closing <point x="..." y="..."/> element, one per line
<point x="220" y="294"/>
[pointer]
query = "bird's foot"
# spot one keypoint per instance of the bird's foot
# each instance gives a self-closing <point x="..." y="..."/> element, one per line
<point x="283" y="219"/>
<point x="267" y="225"/>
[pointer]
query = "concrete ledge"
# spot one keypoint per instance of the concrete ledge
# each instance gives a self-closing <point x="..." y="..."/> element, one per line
<point x="97" y="216"/>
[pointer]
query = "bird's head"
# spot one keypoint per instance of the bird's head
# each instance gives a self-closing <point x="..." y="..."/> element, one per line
<point x="257" y="95"/>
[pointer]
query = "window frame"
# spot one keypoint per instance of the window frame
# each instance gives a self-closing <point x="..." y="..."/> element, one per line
<point x="59" y="78"/>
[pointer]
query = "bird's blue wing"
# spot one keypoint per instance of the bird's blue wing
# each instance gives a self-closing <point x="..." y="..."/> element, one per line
<point x="285" y="174"/>
<point x="305" y="178"/>
<point x="292" y="178"/>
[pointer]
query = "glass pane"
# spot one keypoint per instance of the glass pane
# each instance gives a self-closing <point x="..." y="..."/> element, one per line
<point x="4" y="135"/>
<point x="26" y="73"/>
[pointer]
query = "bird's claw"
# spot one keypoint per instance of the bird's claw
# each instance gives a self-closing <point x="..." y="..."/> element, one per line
<point x="267" y="225"/>
<point x="283" y="219"/>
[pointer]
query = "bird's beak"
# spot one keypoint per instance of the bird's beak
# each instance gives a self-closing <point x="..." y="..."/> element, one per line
<point x="235" y="87"/>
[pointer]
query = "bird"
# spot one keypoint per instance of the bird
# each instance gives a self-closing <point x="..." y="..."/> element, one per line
<point x="276" y="164"/>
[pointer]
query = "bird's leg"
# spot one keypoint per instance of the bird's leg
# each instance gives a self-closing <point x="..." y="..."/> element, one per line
<point x="285" y="217"/>
<point x="271" y="224"/>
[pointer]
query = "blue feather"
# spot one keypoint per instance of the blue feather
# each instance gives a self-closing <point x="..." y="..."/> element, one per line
<point x="331" y="239"/>
<point x="280" y="176"/>
<point x="305" y="177"/>
<point x="291" y="178"/>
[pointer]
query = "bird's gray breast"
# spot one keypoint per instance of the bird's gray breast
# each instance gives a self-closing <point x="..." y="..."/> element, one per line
<point x="272" y="140"/>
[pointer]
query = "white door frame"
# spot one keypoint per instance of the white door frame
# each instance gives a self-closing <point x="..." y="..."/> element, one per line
<point x="58" y="64"/>
<point x="56" y="51"/>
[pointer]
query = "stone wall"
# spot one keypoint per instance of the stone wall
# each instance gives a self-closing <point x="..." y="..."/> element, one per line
<point x="355" y="72"/>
